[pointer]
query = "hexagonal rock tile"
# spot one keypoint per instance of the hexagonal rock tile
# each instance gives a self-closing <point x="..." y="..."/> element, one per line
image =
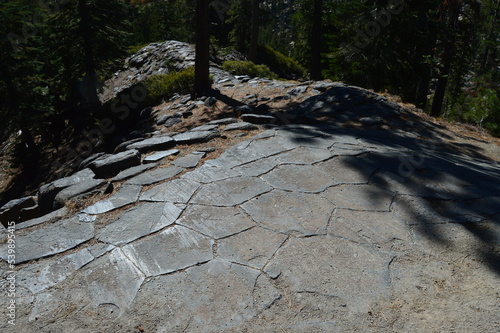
<point x="359" y="197"/>
<point x="215" y="222"/>
<point x="318" y="264"/>
<point x="127" y="194"/>
<point x="303" y="155"/>
<point x="368" y="227"/>
<point x="214" y="297"/>
<point x="61" y="236"/>
<point x="348" y="169"/>
<point x="292" y="213"/>
<point x="177" y="190"/>
<point x="252" y="248"/>
<point x="170" y="250"/>
<point x="257" y="168"/>
<point x="271" y="146"/>
<point x="230" y="192"/>
<point x="155" y="176"/>
<point x="210" y="172"/>
<point x="303" y="178"/>
<point x="139" y="221"/>
<point x="112" y="279"/>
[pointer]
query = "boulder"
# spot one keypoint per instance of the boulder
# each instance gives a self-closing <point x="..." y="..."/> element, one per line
<point x="11" y="211"/>
<point x="111" y="165"/>
<point x="195" y="137"/>
<point x="76" y="190"/>
<point x="258" y="118"/>
<point x="153" y="144"/>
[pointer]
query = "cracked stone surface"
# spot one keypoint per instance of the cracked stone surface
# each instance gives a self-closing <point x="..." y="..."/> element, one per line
<point x="299" y="228"/>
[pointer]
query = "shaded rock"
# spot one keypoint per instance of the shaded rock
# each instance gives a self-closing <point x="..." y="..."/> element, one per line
<point x="154" y="176"/>
<point x="10" y="212"/>
<point x="48" y="192"/>
<point x="29" y="213"/>
<point x="240" y="126"/>
<point x="162" y="119"/>
<point x="130" y="172"/>
<point x="146" y="113"/>
<point x="159" y="156"/>
<point x="258" y="119"/>
<point x="75" y="190"/>
<point x="210" y="101"/>
<point x="223" y="121"/>
<point x="370" y="121"/>
<point x="154" y="143"/>
<point x="126" y="195"/>
<point x="85" y="163"/>
<point x="244" y="109"/>
<point x="195" y="137"/>
<point x="111" y="165"/>
<point x="208" y="127"/>
<point x="123" y="146"/>
<point x="172" y="121"/>
<point x="189" y="161"/>
<point x="185" y="99"/>
<point x="43" y="219"/>
<point x="297" y="90"/>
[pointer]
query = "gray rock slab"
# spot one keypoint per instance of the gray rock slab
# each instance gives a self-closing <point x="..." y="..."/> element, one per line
<point x="39" y="277"/>
<point x="359" y="197"/>
<point x="230" y="192"/>
<point x="62" y="236"/>
<point x="303" y="178"/>
<point x="252" y="247"/>
<point x="154" y="176"/>
<point x="223" y="121"/>
<point x="415" y="210"/>
<point x="172" y="121"/>
<point x="257" y="168"/>
<point x="258" y="118"/>
<point x="123" y="146"/>
<point x="195" y="137"/>
<point x="291" y="213"/>
<point x="48" y="192"/>
<point x="207" y="127"/>
<point x="160" y="155"/>
<point x="43" y="219"/>
<point x="178" y="190"/>
<point x="120" y="283"/>
<point x="349" y="169"/>
<point x="303" y="155"/>
<point x="111" y="165"/>
<point x="126" y="195"/>
<point x="214" y="297"/>
<point x="130" y="172"/>
<point x="189" y="161"/>
<point x="369" y="227"/>
<point x="139" y="221"/>
<point x="215" y="222"/>
<point x="240" y="126"/>
<point x="154" y="143"/>
<point x="210" y="171"/>
<point x="75" y="190"/>
<point x="359" y="284"/>
<point x="171" y="250"/>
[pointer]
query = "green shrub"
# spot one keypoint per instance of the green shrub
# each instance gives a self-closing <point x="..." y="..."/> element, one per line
<point x="164" y="85"/>
<point x="280" y="64"/>
<point x="248" y="68"/>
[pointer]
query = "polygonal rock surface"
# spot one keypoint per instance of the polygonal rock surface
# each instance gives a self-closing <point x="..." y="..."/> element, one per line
<point x="40" y="243"/>
<point x="120" y="283"/>
<point x="178" y="190"/>
<point x="189" y="161"/>
<point x="257" y="168"/>
<point x="154" y="176"/>
<point x="359" y="197"/>
<point x="354" y="273"/>
<point x="194" y="137"/>
<point x="230" y="192"/>
<point x="215" y="222"/>
<point x="130" y="172"/>
<point x="303" y="155"/>
<point x="210" y="172"/>
<point x="169" y="251"/>
<point x="127" y="194"/>
<point x="42" y="276"/>
<point x="155" y="143"/>
<point x="305" y="178"/>
<point x="139" y="221"/>
<point x="252" y="247"/>
<point x="111" y="165"/>
<point x="290" y="212"/>
<point x="348" y="169"/>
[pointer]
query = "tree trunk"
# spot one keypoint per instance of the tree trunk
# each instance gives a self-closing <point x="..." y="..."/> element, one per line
<point x="202" y="75"/>
<point x="437" y="102"/>
<point x="315" y="39"/>
<point x="90" y="97"/>
<point x="254" y="41"/>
